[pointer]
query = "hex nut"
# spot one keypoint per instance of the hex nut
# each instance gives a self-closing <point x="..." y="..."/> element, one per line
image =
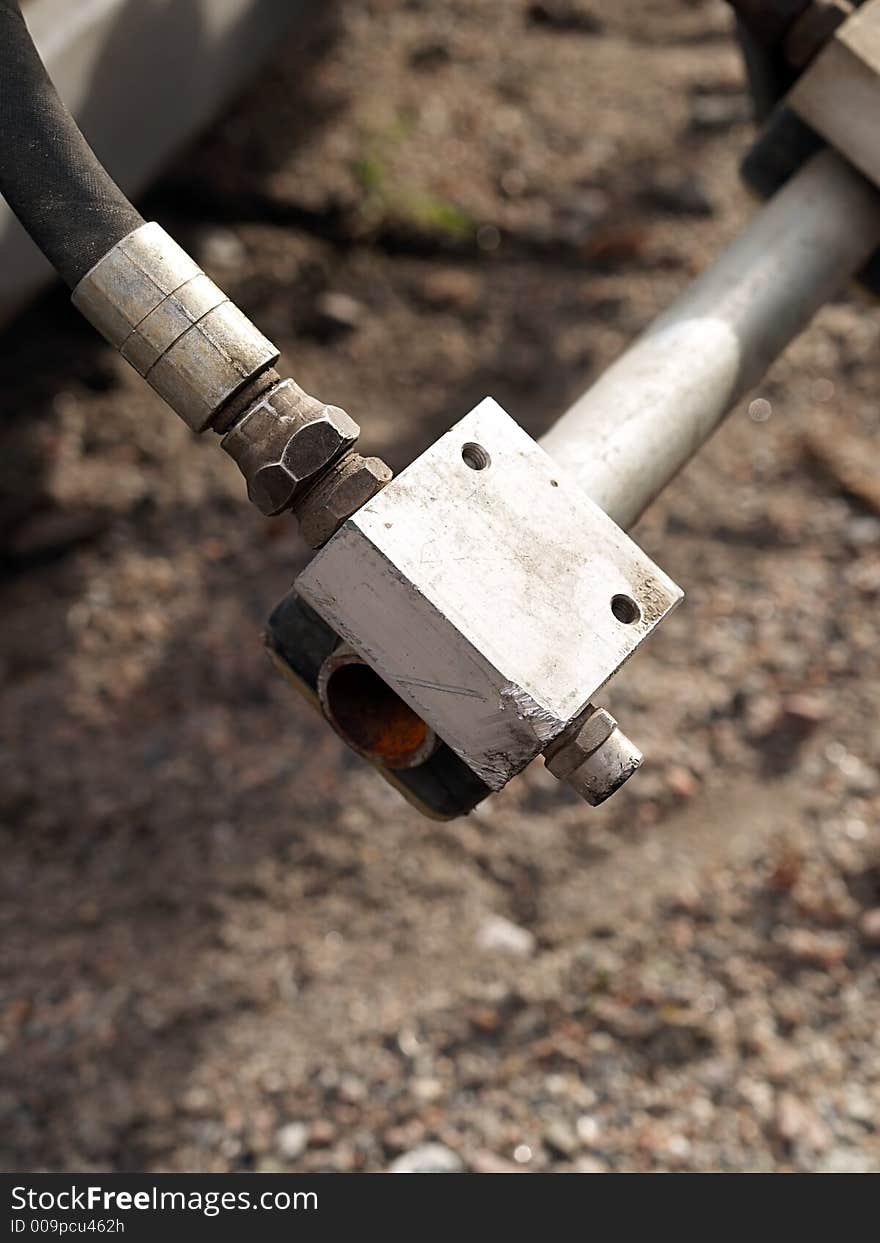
<point x="284" y="442"/>
<point x="597" y="760"/>
<point x="271" y="489"/>
<point x="310" y="449"/>
<point x="570" y="755"/>
<point x="342" y="492"/>
<point x="606" y="770"/>
<point x="316" y="444"/>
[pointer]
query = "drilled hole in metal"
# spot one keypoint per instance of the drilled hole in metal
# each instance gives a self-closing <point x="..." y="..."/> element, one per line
<point x="625" y="610"/>
<point x="475" y="456"/>
<point x="375" y="721"/>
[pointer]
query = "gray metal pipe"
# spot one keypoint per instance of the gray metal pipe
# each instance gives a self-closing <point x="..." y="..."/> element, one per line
<point x="632" y="432"/>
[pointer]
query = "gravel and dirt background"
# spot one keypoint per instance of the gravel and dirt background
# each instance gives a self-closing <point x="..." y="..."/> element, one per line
<point x="226" y="945"/>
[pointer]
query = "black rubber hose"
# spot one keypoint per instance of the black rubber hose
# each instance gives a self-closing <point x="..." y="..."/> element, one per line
<point x="49" y="175"/>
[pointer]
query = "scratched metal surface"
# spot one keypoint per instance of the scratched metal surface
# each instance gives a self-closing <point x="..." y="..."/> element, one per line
<point x="483" y="596"/>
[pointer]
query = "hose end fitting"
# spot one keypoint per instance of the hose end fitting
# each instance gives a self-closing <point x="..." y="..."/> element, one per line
<point x="154" y="304"/>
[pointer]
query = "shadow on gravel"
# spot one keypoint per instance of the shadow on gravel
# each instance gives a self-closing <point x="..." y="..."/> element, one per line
<point x="132" y="828"/>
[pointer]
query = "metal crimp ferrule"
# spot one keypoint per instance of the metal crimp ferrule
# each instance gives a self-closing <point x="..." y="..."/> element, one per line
<point x="153" y="302"/>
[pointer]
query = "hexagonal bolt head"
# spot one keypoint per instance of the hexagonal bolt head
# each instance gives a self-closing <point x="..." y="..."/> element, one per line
<point x="309" y="450"/>
<point x="285" y="442"/>
<point x="597" y="760"/>
<point x="349" y="485"/>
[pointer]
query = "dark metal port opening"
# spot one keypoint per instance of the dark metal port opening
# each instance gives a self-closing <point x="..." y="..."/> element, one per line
<point x="372" y="718"/>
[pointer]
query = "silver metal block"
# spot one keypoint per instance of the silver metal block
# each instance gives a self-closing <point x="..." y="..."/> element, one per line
<point x="489" y="593"/>
<point x="839" y="93"/>
<point x="151" y="301"/>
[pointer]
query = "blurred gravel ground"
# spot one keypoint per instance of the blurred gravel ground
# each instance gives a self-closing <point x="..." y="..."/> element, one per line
<point x="228" y="946"/>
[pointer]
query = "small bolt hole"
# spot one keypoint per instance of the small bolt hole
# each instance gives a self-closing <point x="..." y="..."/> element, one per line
<point x="475" y="456"/>
<point x="625" y="610"/>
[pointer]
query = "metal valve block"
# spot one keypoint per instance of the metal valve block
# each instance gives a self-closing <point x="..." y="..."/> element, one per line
<point x="489" y="593"/>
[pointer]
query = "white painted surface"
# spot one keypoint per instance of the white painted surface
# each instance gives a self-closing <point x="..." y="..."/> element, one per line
<point x="141" y="76"/>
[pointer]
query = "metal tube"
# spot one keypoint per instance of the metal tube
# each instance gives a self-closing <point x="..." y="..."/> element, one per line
<point x="631" y="433"/>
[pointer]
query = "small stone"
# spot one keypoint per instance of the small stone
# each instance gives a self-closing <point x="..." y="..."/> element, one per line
<point x="681" y="781"/>
<point x="427" y="1159"/>
<point x="269" y="1165"/>
<point x="221" y="248"/>
<point x="587" y="1129"/>
<point x="561" y="1139"/>
<point x="677" y="1147"/>
<point x="404" y="1136"/>
<point x="427" y="1089"/>
<point x="679" y="198"/>
<point x="450" y="289"/>
<point x="322" y="1133"/>
<point x="196" y="1101"/>
<point x="805" y="711"/>
<point x="427" y="57"/>
<point x="89" y="914"/>
<point x="490" y="1163"/>
<point x="352" y="1090"/>
<point x="498" y="935"/>
<point x="816" y="949"/>
<point x="860" y="777"/>
<point x="721" y="111"/>
<point x="841" y="1160"/>
<point x="590" y="1165"/>
<point x="513" y="183"/>
<point x="789" y="1119"/>
<point x="863" y="531"/>
<point x="336" y="314"/>
<point x="566" y="15"/>
<point x="796" y="1122"/>
<point x="869" y="927"/>
<point x="292" y="1140"/>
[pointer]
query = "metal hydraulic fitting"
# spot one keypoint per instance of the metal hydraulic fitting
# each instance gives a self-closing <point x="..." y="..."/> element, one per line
<point x="349" y="484"/>
<point x="595" y="758"/>
<point x="493" y="598"/>
<point x="457" y="621"/>
<point x="154" y="303"/>
<point x="284" y="442"/>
